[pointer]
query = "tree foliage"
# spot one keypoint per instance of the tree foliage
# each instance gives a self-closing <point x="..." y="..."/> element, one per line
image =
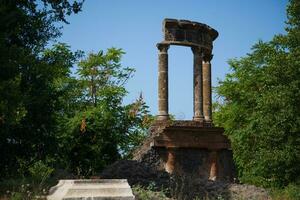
<point x="50" y="117"/>
<point x="259" y="108"/>
<point x="102" y="129"/>
<point x="28" y="126"/>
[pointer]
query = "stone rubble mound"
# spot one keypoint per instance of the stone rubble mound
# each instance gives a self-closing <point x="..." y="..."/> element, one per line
<point x="144" y="173"/>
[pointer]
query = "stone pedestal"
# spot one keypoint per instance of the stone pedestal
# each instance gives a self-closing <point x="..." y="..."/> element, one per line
<point x="91" y="189"/>
<point x="193" y="148"/>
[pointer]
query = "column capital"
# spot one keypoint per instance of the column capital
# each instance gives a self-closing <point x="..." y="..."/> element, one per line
<point x="207" y="57"/>
<point x="163" y="48"/>
<point x="196" y="50"/>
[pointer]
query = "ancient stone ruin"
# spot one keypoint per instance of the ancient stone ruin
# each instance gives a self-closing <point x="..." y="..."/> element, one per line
<point x="192" y="147"/>
<point x="186" y="158"/>
<point x="190" y="158"/>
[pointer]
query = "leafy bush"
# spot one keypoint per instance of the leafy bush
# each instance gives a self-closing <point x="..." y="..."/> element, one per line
<point x="21" y="190"/>
<point x="39" y="173"/>
<point x="259" y="108"/>
<point x="148" y="194"/>
<point x="100" y="129"/>
<point x="30" y="187"/>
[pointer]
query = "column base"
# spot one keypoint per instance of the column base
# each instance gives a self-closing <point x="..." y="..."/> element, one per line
<point x="209" y="121"/>
<point x="163" y="117"/>
<point x="199" y="119"/>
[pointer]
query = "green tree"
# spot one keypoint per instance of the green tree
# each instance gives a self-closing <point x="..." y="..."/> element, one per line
<point x="32" y="135"/>
<point x="102" y="129"/>
<point x="27" y="78"/>
<point x="48" y="116"/>
<point x="259" y="108"/>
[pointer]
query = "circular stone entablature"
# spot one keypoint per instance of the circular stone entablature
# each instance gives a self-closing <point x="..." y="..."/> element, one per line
<point x="188" y="33"/>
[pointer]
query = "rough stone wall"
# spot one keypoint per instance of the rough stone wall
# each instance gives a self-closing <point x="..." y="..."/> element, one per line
<point x="191" y="162"/>
<point x="181" y="157"/>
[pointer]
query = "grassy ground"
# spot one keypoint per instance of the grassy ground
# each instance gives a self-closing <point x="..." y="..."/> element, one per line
<point x="148" y="194"/>
<point x="290" y="192"/>
<point x="27" y="189"/>
<point x="24" y="189"/>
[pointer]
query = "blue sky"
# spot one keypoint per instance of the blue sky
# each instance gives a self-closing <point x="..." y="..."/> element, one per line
<point x="136" y="27"/>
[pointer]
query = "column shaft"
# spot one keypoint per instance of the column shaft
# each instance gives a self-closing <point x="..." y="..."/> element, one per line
<point x="207" y="96"/>
<point x="163" y="104"/>
<point x="213" y="174"/>
<point x="198" y="99"/>
<point x="171" y="160"/>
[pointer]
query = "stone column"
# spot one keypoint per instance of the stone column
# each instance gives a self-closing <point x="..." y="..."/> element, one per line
<point x="171" y="160"/>
<point x="213" y="172"/>
<point x="163" y="104"/>
<point x="207" y="99"/>
<point x="198" y="99"/>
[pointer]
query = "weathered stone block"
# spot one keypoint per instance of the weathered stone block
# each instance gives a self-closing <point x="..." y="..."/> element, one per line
<point x="189" y="148"/>
<point x="188" y="33"/>
<point x="91" y="189"/>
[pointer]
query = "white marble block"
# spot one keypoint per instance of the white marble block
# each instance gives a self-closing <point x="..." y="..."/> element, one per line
<point x="91" y="189"/>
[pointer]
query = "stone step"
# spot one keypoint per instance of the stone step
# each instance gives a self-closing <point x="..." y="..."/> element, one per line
<point x="91" y="189"/>
<point x="100" y="185"/>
